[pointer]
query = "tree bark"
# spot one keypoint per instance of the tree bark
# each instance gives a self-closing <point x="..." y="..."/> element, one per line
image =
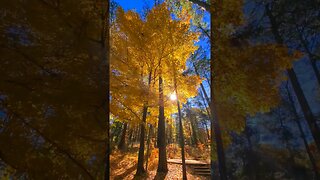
<point x="140" y="168"/>
<point x="148" y="145"/>
<point x="202" y="87"/>
<point x="207" y="130"/>
<point x="184" y="169"/>
<point x="311" y="57"/>
<point x="193" y="127"/>
<point x="216" y="7"/>
<point x="130" y="137"/>
<point x="122" y="142"/>
<point x="303" y="136"/>
<point x="206" y="107"/>
<point x="105" y="49"/>
<point x="161" y="139"/>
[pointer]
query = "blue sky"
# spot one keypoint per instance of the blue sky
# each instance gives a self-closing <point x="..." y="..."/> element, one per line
<point x="136" y="5"/>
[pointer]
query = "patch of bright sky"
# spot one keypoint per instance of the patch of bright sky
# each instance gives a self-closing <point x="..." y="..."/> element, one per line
<point x="135" y="5"/>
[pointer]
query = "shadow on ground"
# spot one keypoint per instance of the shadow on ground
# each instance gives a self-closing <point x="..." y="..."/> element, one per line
<point x="126" y="173"/>
<point x="160" y="176"/>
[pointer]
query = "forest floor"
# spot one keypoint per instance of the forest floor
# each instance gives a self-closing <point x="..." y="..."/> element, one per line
<point x="124" y="164"/>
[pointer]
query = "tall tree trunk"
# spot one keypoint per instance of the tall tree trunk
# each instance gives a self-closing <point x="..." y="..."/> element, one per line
<point x="193" y="127"/>
<point x="215" y="10"/>
<point x="137" y="134"/>
<point x="194" y="131"/>
<point x="207" y="129"/>
<point x="161" y="139"/>
<point x="140" y="168"/>
<point x="310" y="57"/>
<point x="204" y="103"/>
<point x="314" y="128"/>
<point x="251" y="170"/>
<point x="184" y="169"/>
<point x="177" y="131"/>
<point x="287" y="143"/>
<point x="303" y="136"/>
<point x="315" y="68"/>
<point x="122" y="142"/>
<point x="134" y="134"/>
<point x="169" y="130"/>
<point x="190" y="133"/>
<point x="201" y="85"/>
<point x="148" y="145"/>
<point x="105" y="36"/>
<point x="114" y="136"/>
<point x="209" y="115"/>
<point x="156" y="133"/>
<point x="130" y="140"/>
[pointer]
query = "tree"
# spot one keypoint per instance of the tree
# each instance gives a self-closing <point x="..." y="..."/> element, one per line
<point x="53" y="70"/>
<point x="302" y="133"/>
<point x="315" y="129"/>
<point x="142" y="53"/>
<point x="240" y="81"/>
<point x="122" y="142"/>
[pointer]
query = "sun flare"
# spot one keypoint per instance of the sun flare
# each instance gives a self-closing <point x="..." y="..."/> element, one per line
<point x="173" y="97"/>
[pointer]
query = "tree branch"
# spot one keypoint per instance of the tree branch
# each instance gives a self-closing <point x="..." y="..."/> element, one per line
<point x="205" y="5"/>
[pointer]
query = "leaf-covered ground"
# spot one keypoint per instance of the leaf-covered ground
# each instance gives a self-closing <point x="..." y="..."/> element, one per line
<point x="124" y="165"/>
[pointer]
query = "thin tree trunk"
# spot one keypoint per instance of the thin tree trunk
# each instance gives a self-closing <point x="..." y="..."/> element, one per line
<point x="161" y="139"/>
<point x="209" y="115"/>
<point x="216" y="7"/>
<point x="130" y="137"/>
<point x="207" y="130"/>
<point x="315" y="68"/>
<point x="140" y="168"/>
<point x="303" y="136"/>
<point x="201" y="85"/>
<point x="148" y="145"/>
<point x="184" y="169"/>
<point x="177" y="131"/>
<point x="134" y="134"/>
<point x="204" y="102"/>
<point x="105" y="36"/>
<point x="169" y="130"/>
<point x="250" y="159"/>
<point x="190" y="133"/>
<point x="287" y="144"/>
<point x="122" y="142"/>
<point x="137" y="134"/>
<point x="310" y="57"/>
<point x="193" y="133"/>
<point x="114" y="136"/>
<point x="156" y="133"/>
<point x="314" y="128"/>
